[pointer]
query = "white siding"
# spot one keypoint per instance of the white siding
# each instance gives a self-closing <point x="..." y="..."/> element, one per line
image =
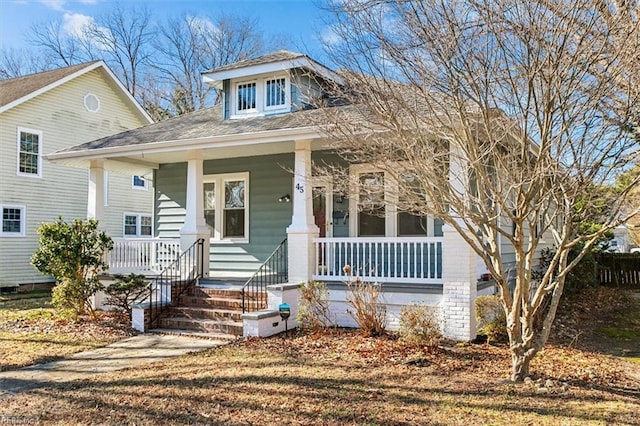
<point x="62" y="191"/>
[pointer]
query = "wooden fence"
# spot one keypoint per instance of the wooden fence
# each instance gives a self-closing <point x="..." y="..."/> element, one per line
<point x="619" y="269"/>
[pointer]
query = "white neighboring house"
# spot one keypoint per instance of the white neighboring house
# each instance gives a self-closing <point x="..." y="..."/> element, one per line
<point x="52" y="111"/>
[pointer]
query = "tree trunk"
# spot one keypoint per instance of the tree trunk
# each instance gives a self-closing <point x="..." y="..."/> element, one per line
<point x="520" y="363"/>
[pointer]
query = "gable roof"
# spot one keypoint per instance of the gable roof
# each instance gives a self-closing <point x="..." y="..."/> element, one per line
<point x="15" y="91"/>
<point x="271" y="62"/>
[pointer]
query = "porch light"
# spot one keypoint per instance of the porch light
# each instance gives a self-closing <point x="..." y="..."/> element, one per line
<point x="285" y="199"/>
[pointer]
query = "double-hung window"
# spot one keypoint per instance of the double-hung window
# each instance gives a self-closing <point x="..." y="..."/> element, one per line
<point x="13" y="221"/>
<point x="29" y="152"/>
<point x="226" y="206"/>
<point x="381" y="211"/>
<point x="138" y="225"/>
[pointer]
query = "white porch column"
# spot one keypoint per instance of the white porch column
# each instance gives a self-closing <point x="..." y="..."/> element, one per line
<point x="95" y="199"/>
<point x="195" y="226"/>
<point x="459" y="266"/>
<point x="302" y="231"/>
<point x="460" y="288"/>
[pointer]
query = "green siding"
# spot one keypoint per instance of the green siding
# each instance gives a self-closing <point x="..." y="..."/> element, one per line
<point x="269" y="179"/>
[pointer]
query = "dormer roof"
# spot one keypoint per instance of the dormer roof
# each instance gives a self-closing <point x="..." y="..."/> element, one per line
<point x="270" y="63"/>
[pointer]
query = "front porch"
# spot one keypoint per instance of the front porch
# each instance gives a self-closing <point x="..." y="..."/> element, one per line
<point x="384" y="260"/>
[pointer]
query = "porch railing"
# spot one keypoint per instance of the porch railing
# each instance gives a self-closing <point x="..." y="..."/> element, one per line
<point x="398" y="260"/>
<point x="274" y="270"/>
<point x="142" y="254"/>
<point x="175" y="280"/>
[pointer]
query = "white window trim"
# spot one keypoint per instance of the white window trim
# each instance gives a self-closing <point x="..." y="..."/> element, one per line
<point x="140" y="188"/>
<point x="261" y="91"/>
<point x="287" y="94"/>
<point x="138" y="224"/>
<point x="390" y="200"/>
<point x="106" y="188"/>
<point x="23" y="220"/>
<point x="35" y="132"/>
<point x="219" y="180"/>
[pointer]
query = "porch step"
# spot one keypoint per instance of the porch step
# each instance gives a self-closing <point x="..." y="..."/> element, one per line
<point x="201" y="325"/>
<point x="204" y="313"/>
<point x="221" y="293"/>
<point x="198" y="334"/>
<point x="210" y="302"/>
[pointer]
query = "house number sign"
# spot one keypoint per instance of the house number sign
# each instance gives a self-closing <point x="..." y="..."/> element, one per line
<point x="300" y="188"/>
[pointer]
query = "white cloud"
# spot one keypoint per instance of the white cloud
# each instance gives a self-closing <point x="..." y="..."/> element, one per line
<point x="54" y="4"/>
<point x="88" y="1"/>
<point x="329" y="36"/>
<point x="201" y="24"/>
<point x="74" y="23"/>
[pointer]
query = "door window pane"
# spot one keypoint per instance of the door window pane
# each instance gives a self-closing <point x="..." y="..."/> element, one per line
<point x="210" y="205"/>
<point x="234" y="208"/>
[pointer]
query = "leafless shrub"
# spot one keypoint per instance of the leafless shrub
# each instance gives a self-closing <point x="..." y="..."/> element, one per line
<point x="420" y="326"/>
<point x="369" y="310"/>
<point x="313" y="310"/>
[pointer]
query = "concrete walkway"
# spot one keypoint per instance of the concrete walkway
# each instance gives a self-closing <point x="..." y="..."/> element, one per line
<point x="131" y="352"/>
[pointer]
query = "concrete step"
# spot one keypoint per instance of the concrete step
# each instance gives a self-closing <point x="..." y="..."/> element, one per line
<point x="201" y="325"/>
<point x="206" y="313"/>
<point x="198" y="334"/>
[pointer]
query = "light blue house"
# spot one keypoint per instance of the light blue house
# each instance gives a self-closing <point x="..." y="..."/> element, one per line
<point x="238" y="177"/>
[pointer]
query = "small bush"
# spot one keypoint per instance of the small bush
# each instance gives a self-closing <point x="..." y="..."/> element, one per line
<point x="126" y="291"/>
<point x="369" y="310"/>
<point x="419" y="326"/>
<point x="491" y="318"/>
<point x="313" y="310"/>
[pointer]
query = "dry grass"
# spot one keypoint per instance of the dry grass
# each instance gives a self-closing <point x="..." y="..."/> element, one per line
<point x="30" y="332"/>
<point x="342" y="378"/>
<point x="339" y="378"/>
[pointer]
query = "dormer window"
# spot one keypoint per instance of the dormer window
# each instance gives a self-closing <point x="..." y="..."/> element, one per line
<point x="247" y="97"/>
<point x="262" y="96"/>
<point x="275" y="93"/>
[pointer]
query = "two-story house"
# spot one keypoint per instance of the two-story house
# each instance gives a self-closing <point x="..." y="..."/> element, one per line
<point x="238" y="177"/>
<point x="48" y="112"/>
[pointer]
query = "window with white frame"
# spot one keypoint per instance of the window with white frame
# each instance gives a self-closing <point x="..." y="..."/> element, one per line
<point x="246" y="101"/>
<point x="29" y="152"/>
<point x="376" y="212"/>
<point x="226" y="209"/>
<point x="275" y="93"/>
<point x="265" y="94"/>
<point x="139" y="182"/>
<point x="138" y="225"/>
<point x="13" y="221"/>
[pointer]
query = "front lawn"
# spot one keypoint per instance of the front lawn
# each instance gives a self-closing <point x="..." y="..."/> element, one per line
<point x="341" y="378"/>
<point x="30" y="332"/>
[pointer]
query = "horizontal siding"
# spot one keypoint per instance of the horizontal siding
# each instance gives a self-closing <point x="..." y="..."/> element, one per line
<point x="62" y="191"/>
<point x="269" y="179"/>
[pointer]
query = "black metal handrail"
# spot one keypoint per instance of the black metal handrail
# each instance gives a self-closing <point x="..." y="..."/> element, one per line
<point x="274" y="270"/>
<point x="175" y="280"/>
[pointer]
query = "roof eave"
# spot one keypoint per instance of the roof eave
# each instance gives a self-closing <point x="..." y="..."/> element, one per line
<point x="223" y="141"/>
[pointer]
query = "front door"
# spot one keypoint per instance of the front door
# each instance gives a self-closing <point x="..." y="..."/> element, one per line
<point x="322" y="207"/>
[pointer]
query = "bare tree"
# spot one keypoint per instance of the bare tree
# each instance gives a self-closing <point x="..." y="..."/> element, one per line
<point x="503" y="118"/>
<point x="123" y="37"/>
<point x="61" y="48"/>
<point x="14" y="63"/>
<point x="190" y="45"/>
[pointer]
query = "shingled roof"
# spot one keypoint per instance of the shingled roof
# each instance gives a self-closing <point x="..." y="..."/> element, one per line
<point x="207" y="123"/>
<point x="15" y="88"/>
<point x="281" y="55"/>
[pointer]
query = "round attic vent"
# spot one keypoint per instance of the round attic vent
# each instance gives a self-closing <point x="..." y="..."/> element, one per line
<point x="91" y="102"/>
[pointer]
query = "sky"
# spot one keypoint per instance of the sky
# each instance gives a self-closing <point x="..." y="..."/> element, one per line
<point x="299" y="22"/>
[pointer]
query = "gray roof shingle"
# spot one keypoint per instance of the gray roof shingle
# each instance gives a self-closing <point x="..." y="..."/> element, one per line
<point x="15" y="88"/>
<point x="281" y="55"/>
